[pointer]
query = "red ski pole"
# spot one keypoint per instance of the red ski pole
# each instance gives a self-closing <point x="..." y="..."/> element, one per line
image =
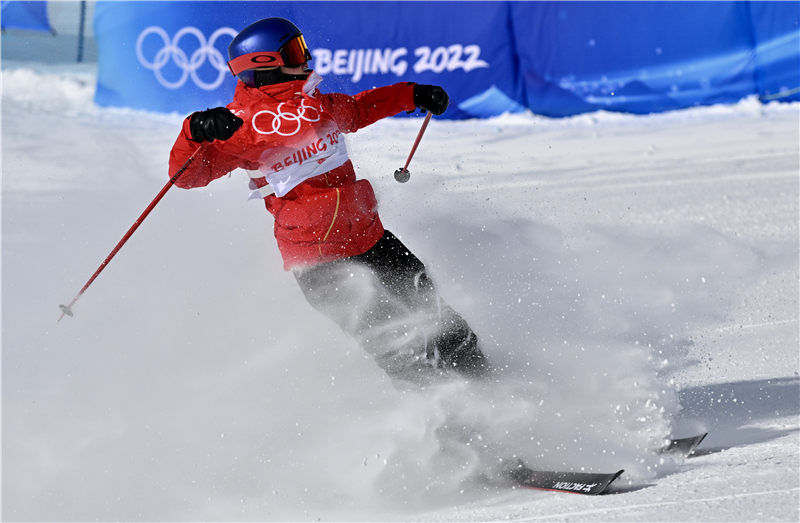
<point x="402" y="175"/>
<point x="67" y="309"/>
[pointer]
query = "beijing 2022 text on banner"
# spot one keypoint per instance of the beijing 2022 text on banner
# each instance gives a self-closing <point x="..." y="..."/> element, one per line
<point x="554" y="58"/>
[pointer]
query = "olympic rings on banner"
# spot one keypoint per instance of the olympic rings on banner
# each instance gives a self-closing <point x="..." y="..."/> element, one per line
<point x="281" y="116"/>
<point x="170" y="51"/>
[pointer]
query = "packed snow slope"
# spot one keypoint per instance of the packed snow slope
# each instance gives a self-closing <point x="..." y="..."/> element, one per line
<point x="635" y="277"/>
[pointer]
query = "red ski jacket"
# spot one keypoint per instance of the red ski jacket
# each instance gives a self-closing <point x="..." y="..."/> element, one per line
<point x="291" y="143"/>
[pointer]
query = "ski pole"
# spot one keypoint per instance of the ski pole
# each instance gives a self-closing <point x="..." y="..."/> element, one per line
<point x="67" y="309"/>
<point x="402" y="175"/>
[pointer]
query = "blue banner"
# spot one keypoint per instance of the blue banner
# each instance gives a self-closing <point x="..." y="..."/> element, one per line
<point x="16" y="14"/>
<point x="554" y="58"/>
<point x="776" y="53"/>
<point x="171" y="56"/>
<point x="644" y="57"/>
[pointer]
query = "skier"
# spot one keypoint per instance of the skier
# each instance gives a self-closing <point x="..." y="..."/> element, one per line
<point x="287" y="135"/>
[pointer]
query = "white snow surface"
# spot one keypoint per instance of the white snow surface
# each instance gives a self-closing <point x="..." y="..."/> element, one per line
<point x="637" y="277"/>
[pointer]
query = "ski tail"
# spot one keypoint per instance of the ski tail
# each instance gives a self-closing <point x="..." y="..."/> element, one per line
<point x="587" y="483"/>
<point x="683" y="446"/>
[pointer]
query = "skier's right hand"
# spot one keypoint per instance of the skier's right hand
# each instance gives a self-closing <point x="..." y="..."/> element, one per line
<point x="218" y="123"/>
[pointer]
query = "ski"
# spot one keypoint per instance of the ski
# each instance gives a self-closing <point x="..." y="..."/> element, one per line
<point x="588" y="483"/>
<point x="683" y="446"/>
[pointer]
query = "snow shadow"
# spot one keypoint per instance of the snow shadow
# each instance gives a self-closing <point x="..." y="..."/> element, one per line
<point x="730" y="412"/>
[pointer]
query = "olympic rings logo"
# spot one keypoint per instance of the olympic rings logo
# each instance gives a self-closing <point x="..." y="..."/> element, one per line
<point x="289" y="117"/>
<point x="188" y="65"/>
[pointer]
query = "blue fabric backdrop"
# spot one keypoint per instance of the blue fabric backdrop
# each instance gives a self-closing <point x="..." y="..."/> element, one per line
<point x="554" y="58"/>
<point x="16" y="14"/>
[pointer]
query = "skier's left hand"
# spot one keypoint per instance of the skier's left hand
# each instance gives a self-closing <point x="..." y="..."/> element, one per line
<point x="431" y="98"/>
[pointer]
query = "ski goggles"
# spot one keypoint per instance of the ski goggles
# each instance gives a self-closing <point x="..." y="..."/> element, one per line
<point x="294" y="52"/>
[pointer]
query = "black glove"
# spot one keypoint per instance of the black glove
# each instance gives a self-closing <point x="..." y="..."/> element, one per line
<point x="218" y="123"/>
<point x="431" y="98"/>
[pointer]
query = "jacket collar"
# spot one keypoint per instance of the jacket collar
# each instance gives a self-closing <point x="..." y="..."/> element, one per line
<point x="282" y="90"/>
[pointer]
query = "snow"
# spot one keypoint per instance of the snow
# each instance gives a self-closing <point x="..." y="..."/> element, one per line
<point x="636" y="275"/>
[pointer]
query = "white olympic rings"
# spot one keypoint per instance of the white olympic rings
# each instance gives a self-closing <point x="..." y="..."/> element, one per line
<point x="188" y="65"/>
<point x="281" y="116"/>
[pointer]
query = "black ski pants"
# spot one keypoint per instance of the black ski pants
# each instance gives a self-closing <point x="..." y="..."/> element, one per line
<point x="385" y="300"/>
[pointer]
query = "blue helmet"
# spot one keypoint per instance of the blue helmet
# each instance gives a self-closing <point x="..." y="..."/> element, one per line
<point x="270" y="42"/>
